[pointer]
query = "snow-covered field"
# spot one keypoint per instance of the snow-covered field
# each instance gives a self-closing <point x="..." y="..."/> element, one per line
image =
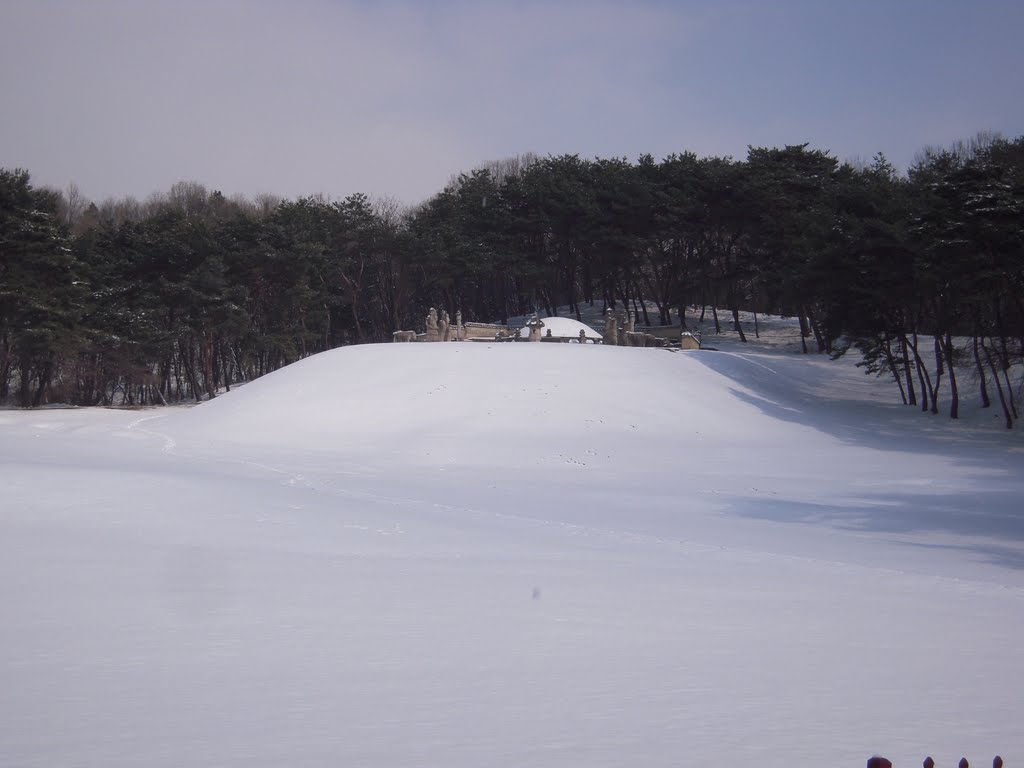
<point x="514" y="555"/>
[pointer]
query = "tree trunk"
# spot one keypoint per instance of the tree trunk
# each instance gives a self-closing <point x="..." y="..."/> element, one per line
<point x="225" y="366"/>
<point x="571" y="294"/>
<point x="819" y="338"/>
<point x="25" y="386"/>
<point x="190" y="372"/>
<point x="736" y="323"/>
<point x="42" y="383"/>
<point x="954" y="392"/>
<point x="209" y="378"/>
<point x="922" y="374"/>
<point x="804" y="332"/>
<point x="985" y="401"/>
<point x="5" y="368"/>
<point x="664" y="313"/>
<point x="939" y="370"/>
<point x="894" y="368"/>
<point x="1009" y="390"/>
<point x="911" y="393"/>
<point x="643" y="307"/>
<point x="999" y="387"/>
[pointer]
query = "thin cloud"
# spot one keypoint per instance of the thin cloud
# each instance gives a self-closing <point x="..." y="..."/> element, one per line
<point x="393" y="98"/>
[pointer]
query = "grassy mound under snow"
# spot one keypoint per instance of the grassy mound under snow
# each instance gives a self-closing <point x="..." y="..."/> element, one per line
<point x="487" y="404"/>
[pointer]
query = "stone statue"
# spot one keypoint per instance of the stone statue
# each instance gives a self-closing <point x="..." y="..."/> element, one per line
<point x="432" y="330"/>
<point x="611" y="330"/>
<point x="536" y="326"/>
<point x="444" y="327"/>
<point x="459" y="334"/>
<point x="622" y="320"/>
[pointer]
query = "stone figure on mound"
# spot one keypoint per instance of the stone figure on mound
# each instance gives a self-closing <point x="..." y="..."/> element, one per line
<point x="611" y="328"/>
<point x="536" y="326"/>
<point x="625" y="325"/>
<point x="432" y="329"/>
<point x="444" y="327"/>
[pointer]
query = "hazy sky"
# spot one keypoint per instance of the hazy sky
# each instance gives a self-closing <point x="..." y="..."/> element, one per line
<point x="392" y="98"/>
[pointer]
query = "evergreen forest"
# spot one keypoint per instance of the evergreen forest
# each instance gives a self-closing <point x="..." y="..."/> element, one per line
<point x="919" y="274"/>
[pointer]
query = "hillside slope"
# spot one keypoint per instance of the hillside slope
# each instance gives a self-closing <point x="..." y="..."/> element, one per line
<point x="775" y="437"/>
<point x="516" y="554"/>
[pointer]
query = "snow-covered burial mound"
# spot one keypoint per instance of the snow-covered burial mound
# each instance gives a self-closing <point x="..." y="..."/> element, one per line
<point x="483" y="404"/>
<point x="758" y="435"/>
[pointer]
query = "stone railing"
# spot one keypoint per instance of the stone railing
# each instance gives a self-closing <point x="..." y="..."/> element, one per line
<point x="877" y="761"/>
<point x="619" y="330"/>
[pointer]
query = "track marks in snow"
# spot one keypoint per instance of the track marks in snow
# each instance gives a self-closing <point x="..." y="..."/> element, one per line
<point x="169" y="442"/>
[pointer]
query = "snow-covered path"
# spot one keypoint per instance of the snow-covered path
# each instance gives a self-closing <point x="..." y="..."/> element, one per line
<point x="471" y="554"/>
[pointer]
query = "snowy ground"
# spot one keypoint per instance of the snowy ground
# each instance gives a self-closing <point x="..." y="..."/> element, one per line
<point x="514" y="554"/>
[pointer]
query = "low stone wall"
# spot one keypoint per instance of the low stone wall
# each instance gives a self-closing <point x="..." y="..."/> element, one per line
<point x="670" y="332"/>
<point x="689" y="341"/>
<point x="482" y="331"/>
<point x="439" y="328"/>
<point x="641" y="339"/>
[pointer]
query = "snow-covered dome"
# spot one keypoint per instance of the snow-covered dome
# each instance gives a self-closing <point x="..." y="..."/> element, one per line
<point x="563" y="328"/>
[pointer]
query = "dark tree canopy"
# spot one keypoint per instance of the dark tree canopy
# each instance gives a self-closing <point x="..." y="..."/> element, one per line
<point x="190" y="292"/>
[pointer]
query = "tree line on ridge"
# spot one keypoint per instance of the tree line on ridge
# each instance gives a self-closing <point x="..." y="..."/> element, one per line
<point x="190" y="292"/>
